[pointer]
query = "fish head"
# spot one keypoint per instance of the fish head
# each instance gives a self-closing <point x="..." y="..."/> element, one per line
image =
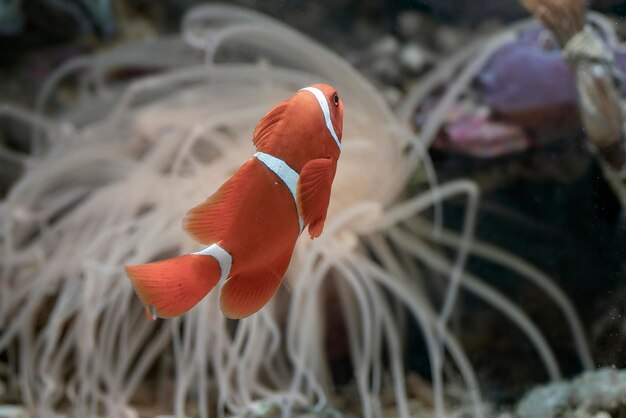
<point x="323" y="112"/>
<point x="335" y="105"/>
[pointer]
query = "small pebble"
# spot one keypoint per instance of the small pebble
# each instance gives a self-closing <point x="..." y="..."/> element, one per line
<point x="449" y="39"/>
<point x="13" y="411"/>
<point x="413" y="58"/>
<point x="410" y="23"/>
<point x="386" y="46"/>
<point x="363" y="31"/>
<point x="545" y="402"/>
<point x="385" y="69"/>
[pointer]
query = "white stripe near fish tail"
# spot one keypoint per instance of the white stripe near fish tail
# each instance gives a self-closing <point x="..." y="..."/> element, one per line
<point x="223" y="257"/>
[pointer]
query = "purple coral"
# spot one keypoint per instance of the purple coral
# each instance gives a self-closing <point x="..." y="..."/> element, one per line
<point x="530" y="74"/>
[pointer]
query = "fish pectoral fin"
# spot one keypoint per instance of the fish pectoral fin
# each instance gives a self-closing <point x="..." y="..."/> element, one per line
<point x="209" y="222"/>
<point x="314" y="187"/>
<point x="248" y="291"/>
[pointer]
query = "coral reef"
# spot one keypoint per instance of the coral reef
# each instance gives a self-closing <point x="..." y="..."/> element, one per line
<point x="598" y="393"/>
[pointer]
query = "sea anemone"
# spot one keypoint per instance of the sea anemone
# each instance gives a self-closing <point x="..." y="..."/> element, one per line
<point x="110" y="180"/>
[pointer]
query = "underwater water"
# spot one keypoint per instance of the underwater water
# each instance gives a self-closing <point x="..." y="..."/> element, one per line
<point x="472" y="261"/>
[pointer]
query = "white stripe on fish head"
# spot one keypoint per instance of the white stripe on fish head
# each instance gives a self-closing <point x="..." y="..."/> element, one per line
<point x="321" y="99"/>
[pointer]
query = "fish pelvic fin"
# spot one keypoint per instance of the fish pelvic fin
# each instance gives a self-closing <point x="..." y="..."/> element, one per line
<point x="174" y="286"/>
<point x="248" y="291"/>
<point x="314" y="186"/>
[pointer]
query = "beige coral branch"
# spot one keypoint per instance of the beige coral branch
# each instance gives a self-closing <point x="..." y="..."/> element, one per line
<point x="601" y="105"/>
<point x="565" y="18"/>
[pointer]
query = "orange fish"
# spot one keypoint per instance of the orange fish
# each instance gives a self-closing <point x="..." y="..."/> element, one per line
<point x="251" y="223"/>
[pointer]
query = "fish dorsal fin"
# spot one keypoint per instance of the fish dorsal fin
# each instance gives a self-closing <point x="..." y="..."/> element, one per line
<point x="314" y="187"/>
<point x="210" y="221"/>
<point x="267" y="125"/>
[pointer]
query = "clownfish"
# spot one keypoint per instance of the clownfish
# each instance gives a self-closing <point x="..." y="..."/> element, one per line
<point x="251" y="223"/>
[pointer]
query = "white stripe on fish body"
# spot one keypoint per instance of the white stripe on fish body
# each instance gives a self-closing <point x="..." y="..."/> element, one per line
<point x="321" y="99"/>
<point x="288" y="175"/>
<point x="222" y="256"/>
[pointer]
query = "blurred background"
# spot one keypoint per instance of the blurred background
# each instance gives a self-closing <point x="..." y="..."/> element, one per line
<point x="543" y="194"/>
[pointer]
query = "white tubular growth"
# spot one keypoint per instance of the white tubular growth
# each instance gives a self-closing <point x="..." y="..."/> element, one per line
<point x="112" y="189"/>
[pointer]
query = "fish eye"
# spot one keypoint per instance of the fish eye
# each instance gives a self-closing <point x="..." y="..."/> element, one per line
<point x="336" y="99"/>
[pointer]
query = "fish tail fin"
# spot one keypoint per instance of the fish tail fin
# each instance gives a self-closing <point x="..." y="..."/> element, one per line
<point x="174" y="286"/>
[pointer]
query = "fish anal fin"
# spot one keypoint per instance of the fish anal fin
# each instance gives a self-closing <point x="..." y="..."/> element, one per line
<point x="210" y="221"/>
<point x="314" y="187"/>
<point x="247" y="292"/>
<point x="267" y="125"/>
